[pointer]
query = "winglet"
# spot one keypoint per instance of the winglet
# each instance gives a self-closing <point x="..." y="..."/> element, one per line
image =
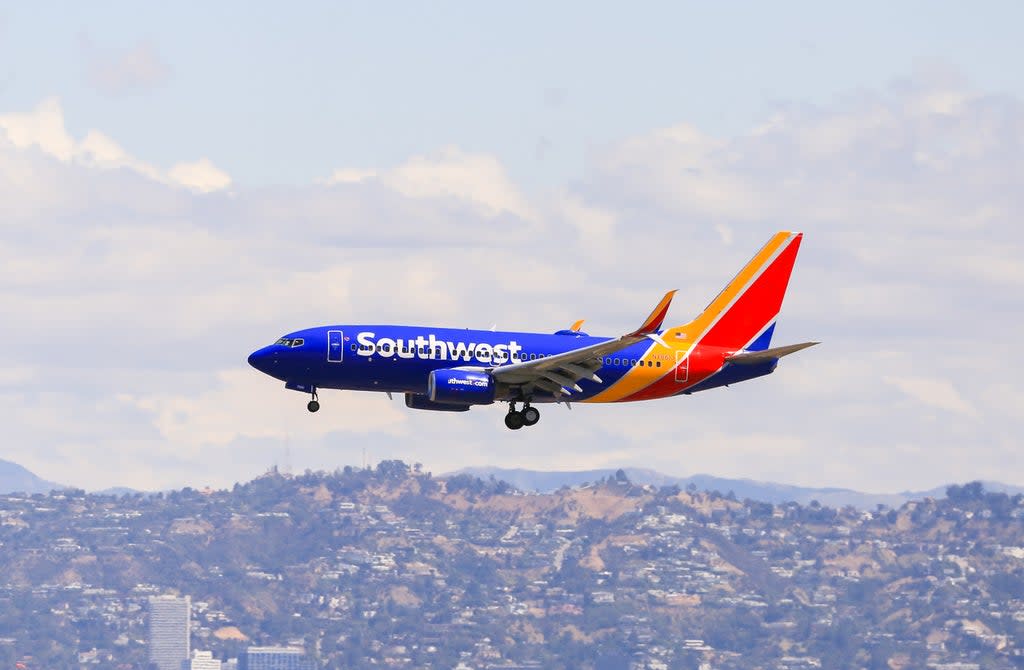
<point x="576" y="326"/>
<point x="654" y="321"/>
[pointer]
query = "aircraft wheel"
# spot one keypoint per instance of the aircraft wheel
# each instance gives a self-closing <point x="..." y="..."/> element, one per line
<point x="531" y="415"/>
<point x="313" y="406"/>
<point x="514" y="420"/>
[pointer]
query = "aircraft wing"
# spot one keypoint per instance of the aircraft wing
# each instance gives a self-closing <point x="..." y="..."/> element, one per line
<point x="559" y="373"/>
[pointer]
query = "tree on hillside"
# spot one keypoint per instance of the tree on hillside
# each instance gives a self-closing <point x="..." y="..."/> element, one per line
<point x="966" y="493"/>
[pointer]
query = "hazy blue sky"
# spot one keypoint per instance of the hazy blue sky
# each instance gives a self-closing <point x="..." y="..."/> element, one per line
<point x="182" y="184"/>
<point x="277" y="95"/>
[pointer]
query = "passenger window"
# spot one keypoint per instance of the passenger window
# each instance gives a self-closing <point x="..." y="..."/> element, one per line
<point x="616" y="361"/>
<point x="659" y="364"/>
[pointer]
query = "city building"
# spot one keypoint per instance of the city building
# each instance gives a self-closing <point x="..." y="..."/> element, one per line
<point x="276" y="658"/>
<point x="202" y="660"/>
<point x="169" y="620"/>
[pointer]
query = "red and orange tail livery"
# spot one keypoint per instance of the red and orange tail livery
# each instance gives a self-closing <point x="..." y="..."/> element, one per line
<point x="743" y="314"/>
<point x="453" y="370"/>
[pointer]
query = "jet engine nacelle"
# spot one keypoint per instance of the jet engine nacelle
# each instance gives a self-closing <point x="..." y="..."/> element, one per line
<point x="417" y="401"/>
<point x="460" y="387"/>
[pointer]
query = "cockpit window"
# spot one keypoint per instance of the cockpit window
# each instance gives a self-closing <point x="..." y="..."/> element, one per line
<point x="291" y="342"/>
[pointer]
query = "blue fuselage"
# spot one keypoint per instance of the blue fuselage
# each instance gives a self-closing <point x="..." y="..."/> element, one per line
<point x="399" y="359"/>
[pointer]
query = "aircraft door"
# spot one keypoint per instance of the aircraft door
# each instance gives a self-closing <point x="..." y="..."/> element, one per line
<point x="682" y="366"/>
<point x="335" y="346"/>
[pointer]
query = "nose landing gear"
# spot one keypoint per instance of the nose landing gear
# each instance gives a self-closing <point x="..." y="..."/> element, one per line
<point x="314" y="404"/>
<point x="515" y="420"/>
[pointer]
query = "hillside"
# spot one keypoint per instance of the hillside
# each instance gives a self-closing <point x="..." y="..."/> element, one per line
<point x="397" y="568"/>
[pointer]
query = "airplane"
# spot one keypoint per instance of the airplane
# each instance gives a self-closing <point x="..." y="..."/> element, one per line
<point x="452" y="370"/>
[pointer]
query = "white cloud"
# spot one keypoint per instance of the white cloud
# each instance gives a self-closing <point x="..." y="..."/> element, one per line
<point x="14" y="376"/>
<point x="595" y="227"/>
<point x="43" y="128"/>
<point x="235" y="408"/>
<point x="137" y="301"/>
<point x="450" y="173"/>
<point x="934" y="392"/>
<point x="200" y="175"/>
<point x="350" y="176"/>
<point x="124" y="71"/>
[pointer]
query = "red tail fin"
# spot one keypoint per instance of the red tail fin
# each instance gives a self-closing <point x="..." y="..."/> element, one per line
<point x="743" y="314"/>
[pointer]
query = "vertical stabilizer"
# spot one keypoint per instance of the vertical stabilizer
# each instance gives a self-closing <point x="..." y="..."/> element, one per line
<point x="743" y="315"/>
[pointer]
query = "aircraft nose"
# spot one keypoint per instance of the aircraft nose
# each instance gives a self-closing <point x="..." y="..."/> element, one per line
<point x="262" y="359"/>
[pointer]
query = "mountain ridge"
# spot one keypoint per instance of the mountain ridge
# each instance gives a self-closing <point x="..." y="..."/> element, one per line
<point x="16" y="478"/>
<point x="772" y="492"/>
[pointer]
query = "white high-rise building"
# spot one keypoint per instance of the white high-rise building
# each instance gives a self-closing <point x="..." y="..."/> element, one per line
<point x="169" y="622"/>
<point x="277" y="658"/>
<point x="202" y="660"/>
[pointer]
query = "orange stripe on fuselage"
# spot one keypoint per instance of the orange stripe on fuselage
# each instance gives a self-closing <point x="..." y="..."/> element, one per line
<point x="684" y="337"/>
<point x="749" y="315"/>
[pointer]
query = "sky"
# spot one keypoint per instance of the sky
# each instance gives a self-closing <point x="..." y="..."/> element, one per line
<point x="181" y="185"/>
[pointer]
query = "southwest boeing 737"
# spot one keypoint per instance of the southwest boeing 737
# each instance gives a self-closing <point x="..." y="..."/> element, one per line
<point x="451" y="370"/>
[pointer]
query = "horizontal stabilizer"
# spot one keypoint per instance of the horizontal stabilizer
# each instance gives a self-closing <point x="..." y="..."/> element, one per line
<point x="750" y="357"/>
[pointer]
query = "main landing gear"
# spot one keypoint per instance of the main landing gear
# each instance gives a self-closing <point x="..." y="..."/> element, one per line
<point x="527" y="417"/>
<point x="314" y="404"/>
